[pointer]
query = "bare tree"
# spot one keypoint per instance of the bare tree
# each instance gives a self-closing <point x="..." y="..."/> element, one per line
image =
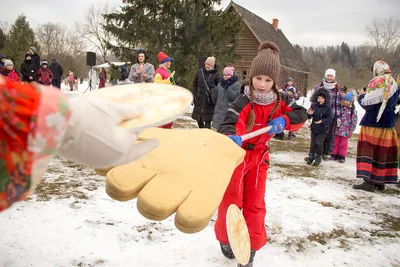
<point x="5" y="26"/>
<point x="93" y="31"/>
<point x="56" y="40"/>
<point x="384" y="35"/>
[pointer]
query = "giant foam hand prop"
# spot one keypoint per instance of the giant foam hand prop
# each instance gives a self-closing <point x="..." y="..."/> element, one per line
<point x="186" y="174"/>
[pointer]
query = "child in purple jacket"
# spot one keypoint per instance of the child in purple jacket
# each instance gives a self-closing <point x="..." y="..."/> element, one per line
<point x="345" y="126"/>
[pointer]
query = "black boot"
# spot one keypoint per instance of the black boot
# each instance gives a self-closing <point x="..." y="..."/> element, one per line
<point x="380" y="187"/>
<point x="317" y="160"/>
<point x="250" y="263"/>
<point x="227" y="251"/>
<point x="370" y="187"/>
<point x="309" y="159"/>
<point x="291" y="135"/>
<point x="280" y="136"/>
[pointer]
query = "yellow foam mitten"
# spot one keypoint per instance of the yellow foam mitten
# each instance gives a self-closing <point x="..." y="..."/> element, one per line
<point x="188" y="174"/>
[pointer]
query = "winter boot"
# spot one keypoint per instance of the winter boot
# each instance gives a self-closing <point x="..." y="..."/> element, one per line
<point x="317" y="160"/>
<point x="227" y="251"/>
<point x="365" y="186"/>
<point x="280" y="136"/>
<point x="342" y="160"/>
<point x="309" y="159"/>
<point x="325" y="157"/>
<point x="291" y="135"/>
<point x="333" y="157"/>
<point x="250" y="263"/>
<point x="380" y="187"/>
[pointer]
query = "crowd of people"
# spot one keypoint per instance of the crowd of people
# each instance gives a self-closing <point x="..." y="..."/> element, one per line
<point x="32" y="69"/>
<point x="222" y="104"/>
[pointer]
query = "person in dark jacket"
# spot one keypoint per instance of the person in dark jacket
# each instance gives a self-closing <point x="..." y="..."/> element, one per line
<point x="29" y="69"/>
<point x="204" y="82"/>
<point x="34" y="55"/>
<point x="330" y="83"/>
<point x="58" y="72"/>
<point x="2" y="60"/>
<point x="124" y="73"/>
<point x="223" y="96"/>
<point x="292" y="95"/>
<point x="321" y="114"/>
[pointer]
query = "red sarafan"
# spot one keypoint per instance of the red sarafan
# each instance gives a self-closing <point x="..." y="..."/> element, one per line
<point x="19" y="103"/>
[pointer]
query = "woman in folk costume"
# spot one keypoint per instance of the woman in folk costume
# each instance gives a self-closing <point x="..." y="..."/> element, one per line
<point x="259" y="106"/>
<point x="142" y="71"/>
<point x="163" y="73"/>
<point x="377" y="149"/>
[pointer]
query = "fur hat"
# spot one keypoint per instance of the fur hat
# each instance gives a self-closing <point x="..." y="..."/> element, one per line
<point x="210" y="61"/>
<point x="8" y="62"/>
<point x="266" y="62"/>
<point x="321" y="92"/>
<point x="291" y="89"/>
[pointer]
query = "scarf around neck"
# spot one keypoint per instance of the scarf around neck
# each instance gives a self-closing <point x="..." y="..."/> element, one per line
<point x="380" y="88"/>
<point x="261" y="98"/>
<point x="328" y="85"/>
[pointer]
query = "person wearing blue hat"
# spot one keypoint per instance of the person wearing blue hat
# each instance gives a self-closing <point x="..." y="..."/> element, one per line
<point x="345" y="126"/>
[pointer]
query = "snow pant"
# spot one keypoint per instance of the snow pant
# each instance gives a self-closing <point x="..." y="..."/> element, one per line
<point x="328" y="142"/>
<point x="204" y="124"/>
<point x="246" y="189"/>
<point x="71" y="85"/>
<point x="340" y="146"/>
<point x="317" y="144"/>
<point x="56" y="83"/>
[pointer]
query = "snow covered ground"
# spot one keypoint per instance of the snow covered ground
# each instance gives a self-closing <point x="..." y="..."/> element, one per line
<point x="314" y="218"/>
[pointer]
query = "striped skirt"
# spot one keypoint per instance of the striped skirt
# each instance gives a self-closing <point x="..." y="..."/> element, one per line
<point x="377" y="155"/>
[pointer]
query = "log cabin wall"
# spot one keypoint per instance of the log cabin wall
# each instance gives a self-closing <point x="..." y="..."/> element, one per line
<point x="245" y="51"/>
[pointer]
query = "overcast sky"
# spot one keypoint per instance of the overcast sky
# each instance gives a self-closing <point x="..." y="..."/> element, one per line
<point x="304" y="22"/>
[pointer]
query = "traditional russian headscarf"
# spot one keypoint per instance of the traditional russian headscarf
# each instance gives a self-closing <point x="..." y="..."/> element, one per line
<point x="380" y="88"/>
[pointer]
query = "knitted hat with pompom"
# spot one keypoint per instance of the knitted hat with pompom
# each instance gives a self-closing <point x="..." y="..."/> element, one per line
<point x="266" y="62"/>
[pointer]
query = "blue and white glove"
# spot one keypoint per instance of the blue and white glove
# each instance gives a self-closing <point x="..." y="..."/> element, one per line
<point x="278" y="125"/>
<point x="236" y="139"/>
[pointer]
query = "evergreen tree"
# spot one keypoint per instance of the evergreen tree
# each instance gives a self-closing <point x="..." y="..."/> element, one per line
<point x="19" y="39"/>
<point x="184" y="29"/>
<point x="2" y="39"/>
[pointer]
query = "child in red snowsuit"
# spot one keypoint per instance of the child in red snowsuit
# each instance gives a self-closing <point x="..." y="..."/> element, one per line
<point x="259" y="106"/>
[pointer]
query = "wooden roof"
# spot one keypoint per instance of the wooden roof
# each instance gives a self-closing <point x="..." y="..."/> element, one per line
<point x="264" y="31"/>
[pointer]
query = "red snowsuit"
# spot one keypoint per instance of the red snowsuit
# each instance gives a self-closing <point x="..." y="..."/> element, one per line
<point x="247" y="185"/>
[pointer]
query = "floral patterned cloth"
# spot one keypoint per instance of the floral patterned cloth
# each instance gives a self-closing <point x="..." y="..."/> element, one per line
<point x="32" y="122"/>
<point x="380" y="88"/>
